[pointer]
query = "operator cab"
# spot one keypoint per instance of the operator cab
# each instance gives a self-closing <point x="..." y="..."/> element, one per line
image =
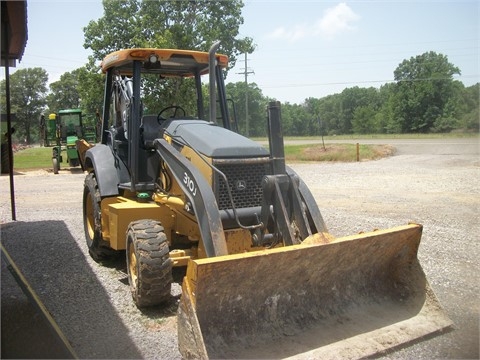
<point x="142" y="87"/>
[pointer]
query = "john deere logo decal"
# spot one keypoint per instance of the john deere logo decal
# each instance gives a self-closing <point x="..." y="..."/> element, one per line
<point x="240" y="185"/>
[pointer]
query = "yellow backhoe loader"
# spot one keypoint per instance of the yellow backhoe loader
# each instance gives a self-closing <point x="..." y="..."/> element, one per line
<point x="180" y="187"/>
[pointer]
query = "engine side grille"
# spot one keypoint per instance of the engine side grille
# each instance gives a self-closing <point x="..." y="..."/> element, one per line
<point x="245" y="180"/>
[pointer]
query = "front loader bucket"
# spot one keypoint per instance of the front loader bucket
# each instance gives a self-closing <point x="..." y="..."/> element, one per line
<point x="357" y="296"/>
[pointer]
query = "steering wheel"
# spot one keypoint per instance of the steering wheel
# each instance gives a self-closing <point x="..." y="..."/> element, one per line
<point x="176" y="109"/>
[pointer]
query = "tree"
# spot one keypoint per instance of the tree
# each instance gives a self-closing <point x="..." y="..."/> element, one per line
<point x="468" y="107"/>
<point x="119" y="28"/>
<point x="90" y="88"/>
<point x="64" y="92"/>
<point x="81" y="88"/>
<point x="364" y="120"/>
<point x="424" y="87"/>
<point x="257" y="106"/>
<point x="191" y="25"/>
<point x="28" y="89"/>
<point x="384" y="118"/>
<point x="294" y="116"/>
<point x="315" y="125"/>
<point x="91" y="92"/>
<point x="328" y="110"/>
<point x="350" y="100"/>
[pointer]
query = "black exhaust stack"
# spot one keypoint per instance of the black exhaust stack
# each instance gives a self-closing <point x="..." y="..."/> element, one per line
<point x="275" y="138"/>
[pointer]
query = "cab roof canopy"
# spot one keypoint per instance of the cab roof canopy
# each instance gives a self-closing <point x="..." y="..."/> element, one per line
<point x="167" y="62"/>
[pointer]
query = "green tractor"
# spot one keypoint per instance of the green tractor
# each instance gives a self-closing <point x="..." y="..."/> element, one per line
<point x="48" y="130"/>
<point x="65" y="128"/>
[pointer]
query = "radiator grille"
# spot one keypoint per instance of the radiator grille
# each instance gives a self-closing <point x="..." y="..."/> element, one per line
<point x="245" y="180"/>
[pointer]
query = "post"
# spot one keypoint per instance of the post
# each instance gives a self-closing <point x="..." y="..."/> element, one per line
<point x="9" y="124"/>
<point x="358" y="152"/>
<point x="320" y="127"/>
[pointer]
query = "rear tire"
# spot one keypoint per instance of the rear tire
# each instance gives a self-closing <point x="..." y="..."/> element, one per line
<point x="149" y="266"/>
<point x="56" y="165"/>
<point x="92" y="221"/>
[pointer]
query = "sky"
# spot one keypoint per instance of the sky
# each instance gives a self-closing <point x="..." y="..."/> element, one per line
<point x="304" y="48"/>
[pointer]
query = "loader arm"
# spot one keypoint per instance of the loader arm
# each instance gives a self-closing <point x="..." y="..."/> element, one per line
<point x="287" y="202"/>
<point x="200" y="195"/>
<point x="315" y="217"/>
<point x="281" y="196"/>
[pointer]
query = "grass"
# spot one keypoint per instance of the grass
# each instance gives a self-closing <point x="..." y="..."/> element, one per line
<point x="41" y="157"/>
<point x="382" y="136"/>
<point x="33" y="158"/>
<point x="336" y="152"/>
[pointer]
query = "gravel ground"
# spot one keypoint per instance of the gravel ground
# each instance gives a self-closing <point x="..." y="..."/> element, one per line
<point x="432" y="182"/>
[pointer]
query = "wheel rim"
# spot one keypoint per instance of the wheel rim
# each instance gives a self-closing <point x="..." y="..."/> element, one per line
<point x="89" y="217"/>
<point x="132" y="265"/>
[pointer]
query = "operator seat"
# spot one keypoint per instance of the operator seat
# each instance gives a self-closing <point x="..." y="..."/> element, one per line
<point x="149" y="131"/>
<point x="119" y="143"/>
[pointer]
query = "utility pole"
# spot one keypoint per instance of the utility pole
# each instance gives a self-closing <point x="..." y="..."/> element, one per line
<point x="246" y="73"/>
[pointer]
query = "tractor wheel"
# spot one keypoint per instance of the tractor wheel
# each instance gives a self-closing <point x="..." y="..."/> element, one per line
<point x="149" y="266"/>
<point x="92" y="221"/>
<point x="56" y="165"/>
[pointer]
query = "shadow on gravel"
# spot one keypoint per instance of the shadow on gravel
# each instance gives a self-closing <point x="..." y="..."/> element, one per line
<point x="56" y="268"/>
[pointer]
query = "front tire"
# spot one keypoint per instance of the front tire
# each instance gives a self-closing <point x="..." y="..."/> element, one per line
<point x="149" y="266"/>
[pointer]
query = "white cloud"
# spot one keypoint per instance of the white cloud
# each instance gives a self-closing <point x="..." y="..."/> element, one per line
<point x="335" y="20"/>
<point x="292" y="34"/>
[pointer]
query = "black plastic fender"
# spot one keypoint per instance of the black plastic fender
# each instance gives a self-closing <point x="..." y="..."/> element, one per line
<point x="101" y="158"/>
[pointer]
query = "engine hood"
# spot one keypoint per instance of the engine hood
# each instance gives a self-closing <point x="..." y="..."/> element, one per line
<point x="213" y="141"/>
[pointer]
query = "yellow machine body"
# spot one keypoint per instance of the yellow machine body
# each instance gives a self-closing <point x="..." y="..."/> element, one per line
<point x="119" y="211"/>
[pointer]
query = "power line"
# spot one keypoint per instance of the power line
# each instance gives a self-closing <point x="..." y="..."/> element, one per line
<point x="364" y="82"/>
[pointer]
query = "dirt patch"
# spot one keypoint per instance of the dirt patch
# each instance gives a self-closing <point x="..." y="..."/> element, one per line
<point x="346" y="152"/>
<point x="30" y="172"/>
<point x="43" y="171"/>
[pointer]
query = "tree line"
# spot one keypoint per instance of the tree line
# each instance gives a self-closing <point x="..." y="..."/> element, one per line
<point x="424" y="96"/>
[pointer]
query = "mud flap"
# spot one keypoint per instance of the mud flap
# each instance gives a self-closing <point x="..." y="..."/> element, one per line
<point x="357" y="296"/>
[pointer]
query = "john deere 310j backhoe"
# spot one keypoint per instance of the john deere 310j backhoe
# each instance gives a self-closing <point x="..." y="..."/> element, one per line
<point x="264" y="278"/>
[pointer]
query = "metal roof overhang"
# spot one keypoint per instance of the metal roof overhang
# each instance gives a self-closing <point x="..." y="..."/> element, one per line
<point x="14" y="31"/>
